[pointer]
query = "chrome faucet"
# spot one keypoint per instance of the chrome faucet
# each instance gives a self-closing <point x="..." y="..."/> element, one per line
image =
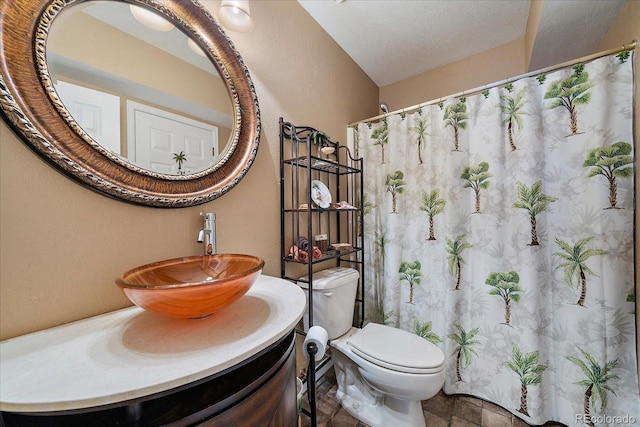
<point x="207" y="235"/>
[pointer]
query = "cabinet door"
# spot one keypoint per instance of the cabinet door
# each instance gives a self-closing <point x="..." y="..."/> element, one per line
<point x="271" y="405"/>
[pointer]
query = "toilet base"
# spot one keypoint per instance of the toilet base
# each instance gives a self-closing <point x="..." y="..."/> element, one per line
<point x="390" y="412"/>
<point x="369" y="405"/>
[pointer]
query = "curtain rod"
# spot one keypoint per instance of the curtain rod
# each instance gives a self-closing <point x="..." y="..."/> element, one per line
<point x="630" y="46"/>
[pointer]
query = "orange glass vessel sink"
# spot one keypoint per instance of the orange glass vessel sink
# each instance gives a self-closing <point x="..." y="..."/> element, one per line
<point x="191" y="287"/>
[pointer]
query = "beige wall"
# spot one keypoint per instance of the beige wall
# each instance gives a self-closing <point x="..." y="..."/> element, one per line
<point x="475" y="71"/>
<point x="533" y="20"/>
<point x="62" y="245"/>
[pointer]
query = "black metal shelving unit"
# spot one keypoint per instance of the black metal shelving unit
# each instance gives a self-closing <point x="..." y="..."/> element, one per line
<point x="301" y="162"/>
<point x="307" y="154"/>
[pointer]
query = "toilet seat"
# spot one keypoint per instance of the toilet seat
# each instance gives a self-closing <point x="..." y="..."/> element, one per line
<point x="396" y="349"/>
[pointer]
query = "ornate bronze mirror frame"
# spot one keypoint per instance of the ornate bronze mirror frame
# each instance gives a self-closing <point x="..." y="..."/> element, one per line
<point x="30" y="105"/>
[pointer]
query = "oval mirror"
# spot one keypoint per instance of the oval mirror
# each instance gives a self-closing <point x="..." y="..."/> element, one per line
<point x="163" y="117"/>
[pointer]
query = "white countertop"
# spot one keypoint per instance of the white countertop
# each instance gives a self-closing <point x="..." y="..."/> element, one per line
<point x="131" y="353"/>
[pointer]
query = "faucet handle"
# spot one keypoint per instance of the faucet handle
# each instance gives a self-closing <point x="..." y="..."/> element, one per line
<point x="208" y="216"/>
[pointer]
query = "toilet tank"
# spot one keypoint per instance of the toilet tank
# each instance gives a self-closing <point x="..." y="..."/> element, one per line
<point x="334" y="297"/>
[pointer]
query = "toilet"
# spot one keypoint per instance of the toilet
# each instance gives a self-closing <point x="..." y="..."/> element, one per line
<point x="383" y="373"/>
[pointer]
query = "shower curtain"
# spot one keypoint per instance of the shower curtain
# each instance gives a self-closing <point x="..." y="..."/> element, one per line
<point x="499" y="227"/>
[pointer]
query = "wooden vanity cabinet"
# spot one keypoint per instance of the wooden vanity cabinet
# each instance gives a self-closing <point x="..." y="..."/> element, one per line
<point x="260" y="391"/>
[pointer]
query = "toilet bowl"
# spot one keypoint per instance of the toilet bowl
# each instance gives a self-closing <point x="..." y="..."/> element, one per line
<point x="383" y="373"/>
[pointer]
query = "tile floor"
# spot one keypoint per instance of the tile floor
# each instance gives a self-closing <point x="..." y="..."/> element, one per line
<point x="439" y="411"/>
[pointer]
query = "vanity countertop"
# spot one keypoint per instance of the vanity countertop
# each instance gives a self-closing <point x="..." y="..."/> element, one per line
<point x="131" y="353"/>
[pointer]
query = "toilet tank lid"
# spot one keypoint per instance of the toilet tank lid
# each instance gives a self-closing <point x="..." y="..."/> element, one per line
<point x="397" y="349"/>
<point x="330" y="278"/>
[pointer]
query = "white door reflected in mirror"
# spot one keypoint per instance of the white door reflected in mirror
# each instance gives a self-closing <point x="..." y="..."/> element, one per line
<point x="97" y="112"/>
<point x="157" y="137"/>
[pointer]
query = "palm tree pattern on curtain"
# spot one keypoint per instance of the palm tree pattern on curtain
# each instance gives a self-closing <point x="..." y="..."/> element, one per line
<point x="499" y="226"/>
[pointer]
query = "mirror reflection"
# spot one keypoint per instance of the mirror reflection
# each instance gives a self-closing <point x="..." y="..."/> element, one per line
<point x="142" y="90"/>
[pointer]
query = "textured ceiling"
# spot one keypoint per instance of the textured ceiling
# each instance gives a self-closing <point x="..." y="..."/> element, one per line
<point x="395" y="39"/>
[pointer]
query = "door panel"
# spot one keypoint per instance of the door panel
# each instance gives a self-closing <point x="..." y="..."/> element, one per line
<point x="156" y="136"/>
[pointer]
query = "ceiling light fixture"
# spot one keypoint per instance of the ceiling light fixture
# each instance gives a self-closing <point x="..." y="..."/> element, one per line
<point x="150" y="19"/>
<point x="235" y="15"/>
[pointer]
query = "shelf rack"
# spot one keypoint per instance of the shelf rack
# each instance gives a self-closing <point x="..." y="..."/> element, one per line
<point x="307" y="154"/>
<point x="302" y="160"/>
